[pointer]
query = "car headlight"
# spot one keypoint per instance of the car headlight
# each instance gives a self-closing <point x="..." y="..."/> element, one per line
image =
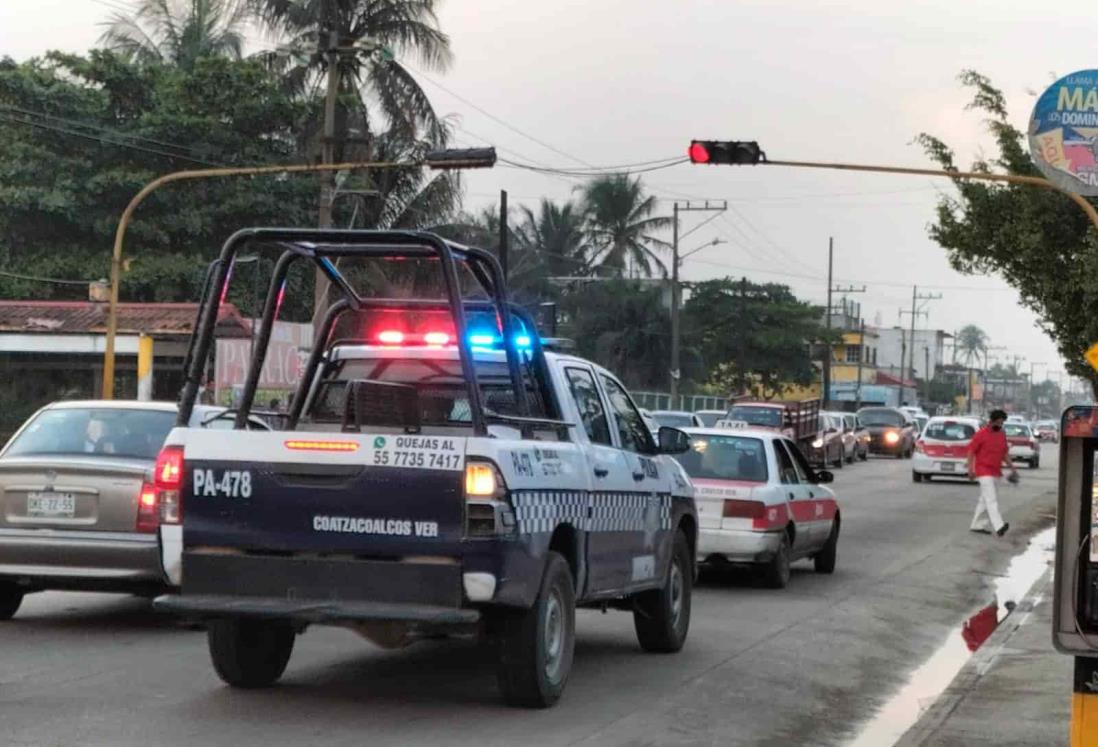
<point x="892" y="437"/>
<point x="818" y="443"/>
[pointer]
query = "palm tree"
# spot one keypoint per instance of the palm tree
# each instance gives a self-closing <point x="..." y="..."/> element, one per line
<point x="371" y="33"/>
<point x="971" y="341"/>
<point x="620" y="225"/>
<point x="178" y="32"/>
<point x="552" y="239"/>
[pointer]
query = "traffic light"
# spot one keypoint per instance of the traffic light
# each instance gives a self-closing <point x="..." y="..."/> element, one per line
<point x="739" y="152"/>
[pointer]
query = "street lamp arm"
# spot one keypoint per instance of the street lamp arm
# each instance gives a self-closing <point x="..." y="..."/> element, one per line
<point x="179" y="176"/>
<point x="1033" y="181"/>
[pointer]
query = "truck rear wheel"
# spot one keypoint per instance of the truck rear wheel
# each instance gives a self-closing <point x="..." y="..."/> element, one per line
<point x="250" y="653"/>
<point x="11" y="596"/>
<point x="536" y="645"/>
<point x="661" y="617"/>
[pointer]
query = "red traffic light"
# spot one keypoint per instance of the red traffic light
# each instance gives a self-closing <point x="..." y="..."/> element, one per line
<point x="734" y="152"/>
<point x="698" y="153"/>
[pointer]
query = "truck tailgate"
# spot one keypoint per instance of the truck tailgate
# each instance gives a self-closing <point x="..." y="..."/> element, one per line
<point x="378" y="496"/>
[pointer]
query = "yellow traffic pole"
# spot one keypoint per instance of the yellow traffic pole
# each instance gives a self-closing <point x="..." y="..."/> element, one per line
<point x="178" y="176"/>
<point x="1033" y="181"/>
<point x="144" y="368"/>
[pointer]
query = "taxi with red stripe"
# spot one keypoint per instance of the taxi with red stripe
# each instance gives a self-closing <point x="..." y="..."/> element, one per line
<point x="760" y="502"/>
<point x="942" y="448"/>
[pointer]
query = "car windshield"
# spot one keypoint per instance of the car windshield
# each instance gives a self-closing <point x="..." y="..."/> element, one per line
<point x="1014" y="430"/>
<point x="949" y="430"/>
<point x="100" y="431"/>
<point x="725" y="458"/>
<point x="674" y="419"/>
<point x="881" y="417"/>
<point x="768" y="417"/>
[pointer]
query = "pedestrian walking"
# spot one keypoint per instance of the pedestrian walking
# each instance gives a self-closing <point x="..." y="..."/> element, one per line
<point x="988" y="453"/>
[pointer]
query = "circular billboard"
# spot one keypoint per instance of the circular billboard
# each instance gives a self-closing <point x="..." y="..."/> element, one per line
<point x="1063" y="132"/>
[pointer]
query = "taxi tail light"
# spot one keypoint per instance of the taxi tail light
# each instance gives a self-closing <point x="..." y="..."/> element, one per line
<point x="167" y="484"/>
<point x="148" y="509"/>
<point x="920" y="446"/>
<point x="740" y="509"/>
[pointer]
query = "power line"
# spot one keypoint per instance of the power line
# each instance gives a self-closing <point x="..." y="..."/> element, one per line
<point x="104" y="141"/>
<point x="589" y="174"/>
<point x="496" y="119"/>
<point x="33" y="278"/>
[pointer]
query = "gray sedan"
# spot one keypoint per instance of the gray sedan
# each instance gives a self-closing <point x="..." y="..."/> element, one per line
<point x="77" y="509"/>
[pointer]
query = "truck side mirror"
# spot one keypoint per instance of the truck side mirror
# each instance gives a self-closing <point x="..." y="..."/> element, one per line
<point x="673" y="441"/>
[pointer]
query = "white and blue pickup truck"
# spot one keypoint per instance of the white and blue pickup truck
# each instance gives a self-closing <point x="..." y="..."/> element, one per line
<point x="440" y="472"/>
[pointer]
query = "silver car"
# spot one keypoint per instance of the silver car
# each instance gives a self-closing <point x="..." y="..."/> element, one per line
<point x="78" y="509"/>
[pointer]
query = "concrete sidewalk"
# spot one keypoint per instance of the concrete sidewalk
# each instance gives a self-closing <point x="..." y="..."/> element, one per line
<point x="1016" y="689"/>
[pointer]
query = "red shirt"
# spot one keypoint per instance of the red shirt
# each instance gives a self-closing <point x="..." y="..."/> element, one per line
<point x="989" y="448"/>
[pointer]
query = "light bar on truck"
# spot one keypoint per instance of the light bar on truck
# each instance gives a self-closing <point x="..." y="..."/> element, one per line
<point x="298" y="445"/>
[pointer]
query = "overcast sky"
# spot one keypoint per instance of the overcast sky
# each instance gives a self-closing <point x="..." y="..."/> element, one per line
<point x="619" y="81"/>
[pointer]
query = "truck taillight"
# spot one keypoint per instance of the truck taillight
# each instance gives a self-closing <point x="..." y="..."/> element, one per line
<point x="148" y="513"/>
<point x="168" y="481"/>
<point x="487" y="510"/>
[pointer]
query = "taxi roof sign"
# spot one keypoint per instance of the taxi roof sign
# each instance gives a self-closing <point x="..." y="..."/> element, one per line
<point x="1092" y="356"/>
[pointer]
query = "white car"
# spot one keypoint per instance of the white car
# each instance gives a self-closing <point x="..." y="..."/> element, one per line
<point x="1024" y="446"/>
<point x="676" y="419"/>
<point x="759" y="502"/>
<point x="942" y="449"/>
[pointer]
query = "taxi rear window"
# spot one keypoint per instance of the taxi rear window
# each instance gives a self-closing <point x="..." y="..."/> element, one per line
<point x="443" y="395"/>
<point x="949" y="431"/>
<point x="725" y="458"/>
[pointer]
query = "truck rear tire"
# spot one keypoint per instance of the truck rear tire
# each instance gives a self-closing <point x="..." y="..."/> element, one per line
<point x="11" y="596"/>
<point x="250" y="653"/>
<point x="536" y="645"/>
<point x="661" y="617"/>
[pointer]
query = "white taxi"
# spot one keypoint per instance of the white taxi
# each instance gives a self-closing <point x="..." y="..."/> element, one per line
<point x="759" y="502"/>
<point x="942" y="448"/>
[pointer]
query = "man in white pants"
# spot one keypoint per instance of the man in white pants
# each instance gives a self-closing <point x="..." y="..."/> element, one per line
<point x="988" y="453"/>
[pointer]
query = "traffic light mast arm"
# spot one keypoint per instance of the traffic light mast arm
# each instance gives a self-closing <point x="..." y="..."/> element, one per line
<point x="1033" y="181"/>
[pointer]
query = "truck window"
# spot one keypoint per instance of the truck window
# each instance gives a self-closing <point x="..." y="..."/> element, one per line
<point x="589" y="404"/>
<point x="443" y="396"/>
<point x="767" y="417"/>
<point x="632" y="432"/>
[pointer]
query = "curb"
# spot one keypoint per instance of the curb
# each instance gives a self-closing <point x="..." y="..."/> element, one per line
<point x="973" y="671"/>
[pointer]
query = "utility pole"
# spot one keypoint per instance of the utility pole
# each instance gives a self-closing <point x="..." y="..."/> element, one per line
<point x="676" y="292"/>
<point x="926" y="373"/>
<point x="861" y="357"/>
<point x="827" y="325"/>
<point x="844" y="290"/>
<point x="504" y="234"/>
<point x="327" y="155"/>
<point x="1032" y="400"/>
<point x="916" y="310"/>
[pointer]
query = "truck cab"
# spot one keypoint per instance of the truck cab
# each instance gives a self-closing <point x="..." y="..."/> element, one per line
<point x="441" y="472"/>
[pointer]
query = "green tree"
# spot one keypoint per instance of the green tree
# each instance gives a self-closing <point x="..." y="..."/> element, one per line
<point x="620" y="226"/>
<point x="752" y="337"/>
<point x="1037" y="240"/>
<point x="553" y="237"/>
<point x="971" y="343"/>
<point x="84" y="134"/>
<point x="178" y="32"/>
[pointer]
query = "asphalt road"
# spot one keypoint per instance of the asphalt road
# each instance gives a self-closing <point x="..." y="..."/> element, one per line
<point x="809" y="664"/>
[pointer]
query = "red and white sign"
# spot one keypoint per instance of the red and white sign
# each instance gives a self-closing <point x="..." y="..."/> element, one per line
<point x="287" y="354"/>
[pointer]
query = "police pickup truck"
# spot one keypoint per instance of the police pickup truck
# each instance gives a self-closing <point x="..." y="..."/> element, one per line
<point x="440" y="473"/>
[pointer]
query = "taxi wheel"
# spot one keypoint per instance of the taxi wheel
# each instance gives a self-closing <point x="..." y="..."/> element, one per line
<point x="250" y="653"/>
<point x="776" y="573"/>
<point x="826" y="557"/>
<point x="536" y="645"/>
<point x="10" y="599"/>
<point x="916" y="477"/>
<point x="661" y="617"/>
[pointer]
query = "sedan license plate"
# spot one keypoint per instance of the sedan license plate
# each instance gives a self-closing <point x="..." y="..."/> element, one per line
<point x="948" y="467"/>
<point x="51" y="505"/>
